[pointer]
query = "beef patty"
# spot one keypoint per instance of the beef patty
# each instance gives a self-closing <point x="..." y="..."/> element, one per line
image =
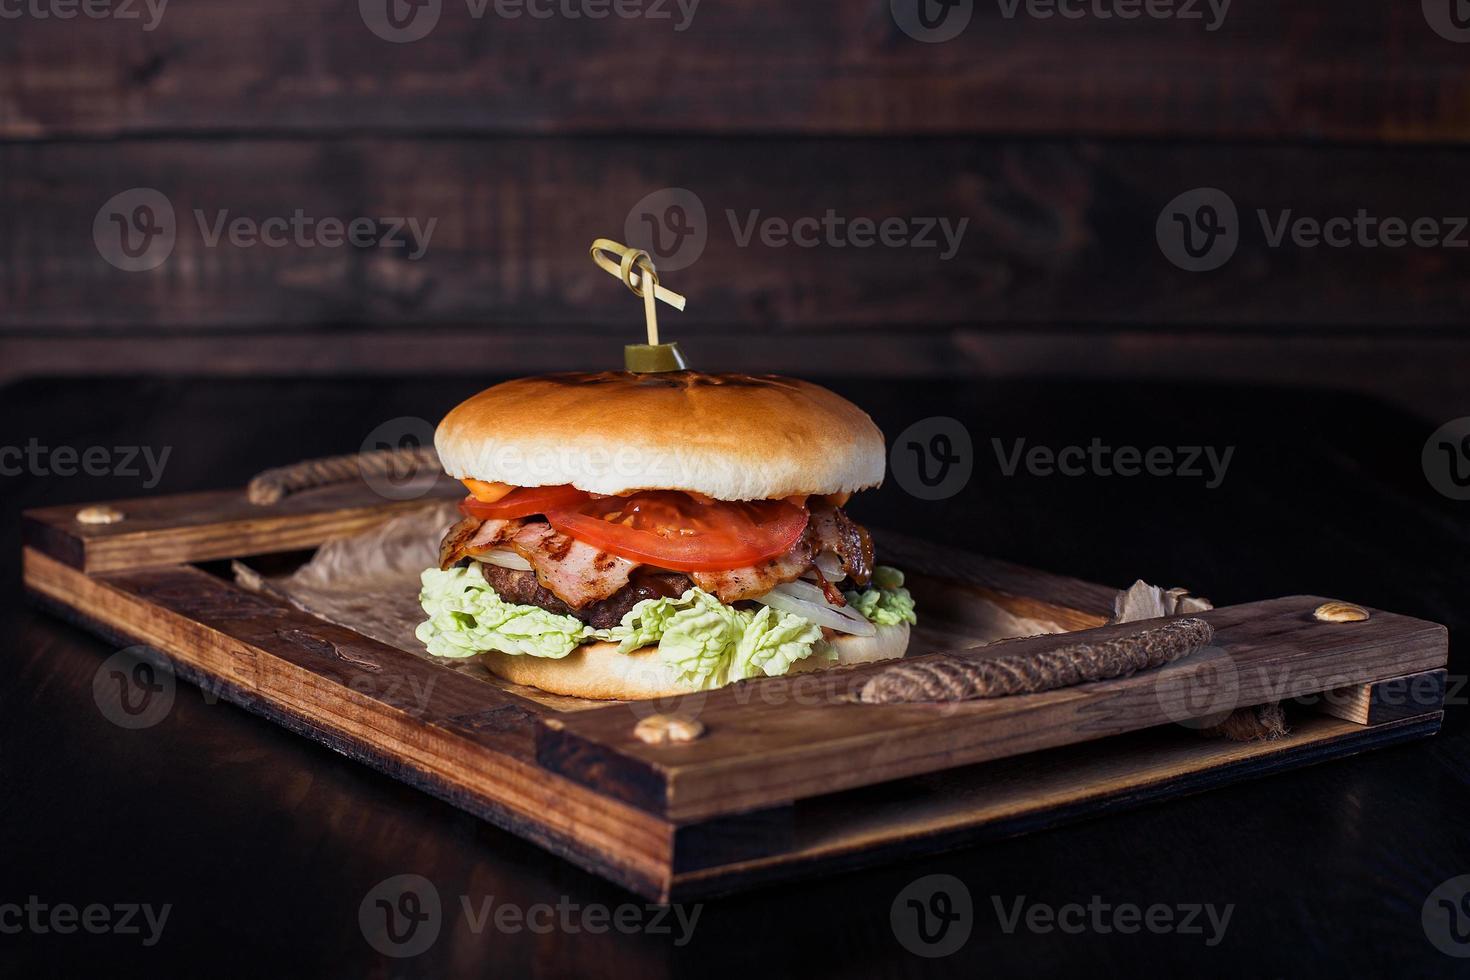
<point x="522" y="588"/>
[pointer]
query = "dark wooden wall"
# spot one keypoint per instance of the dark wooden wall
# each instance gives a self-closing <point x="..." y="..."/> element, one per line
<point x="1059" y="140"/>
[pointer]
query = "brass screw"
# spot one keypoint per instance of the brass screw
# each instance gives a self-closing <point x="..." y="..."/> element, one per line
<point x="666" y="729"/>
<point x="99" y="514"/>
<point x="1340" y="612"/>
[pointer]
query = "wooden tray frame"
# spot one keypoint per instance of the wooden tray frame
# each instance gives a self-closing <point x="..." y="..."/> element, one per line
<point x="791" y="778"/>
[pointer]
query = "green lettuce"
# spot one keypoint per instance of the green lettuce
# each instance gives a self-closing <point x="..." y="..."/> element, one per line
<point x="708" y="643"/>
<point x="702" y="640"/>
<point x="466" y="617"/>
<point x="887" y="602"/>
<point x="772" y="641"/>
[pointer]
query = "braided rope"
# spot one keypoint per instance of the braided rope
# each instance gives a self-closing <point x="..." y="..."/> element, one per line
<point x="952" y="678"/>
<point x="273" y="485"/>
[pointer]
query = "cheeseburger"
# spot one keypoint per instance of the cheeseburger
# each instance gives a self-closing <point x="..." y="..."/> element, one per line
<point x="635" y="535"/>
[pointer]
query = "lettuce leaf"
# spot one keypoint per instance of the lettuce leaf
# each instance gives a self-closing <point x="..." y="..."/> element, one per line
<point x="887" y="603"/>
<point x="771" y="642"/>
<point x="711" y="644"/>
<point x="699" y="642"/>
<point x="466" y="617"/>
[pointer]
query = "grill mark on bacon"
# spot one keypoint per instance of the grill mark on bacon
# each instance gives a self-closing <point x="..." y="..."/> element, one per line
<point x="754" y="581"/>
<point x="576" y="573"/>
<point x="471" y="536"/>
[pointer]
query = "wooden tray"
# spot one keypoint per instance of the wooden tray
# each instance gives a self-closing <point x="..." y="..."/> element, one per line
<point x="791" y="776"/>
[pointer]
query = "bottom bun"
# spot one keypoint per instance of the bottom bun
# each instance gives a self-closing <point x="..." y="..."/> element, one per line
<point x="598" y="671"/>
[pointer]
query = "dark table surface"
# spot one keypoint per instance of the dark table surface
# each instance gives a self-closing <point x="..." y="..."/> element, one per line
<point x="263" y="845"/>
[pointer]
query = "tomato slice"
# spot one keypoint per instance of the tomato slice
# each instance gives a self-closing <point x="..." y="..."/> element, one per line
<point x="523" y="502"/>
<point x="673" y="530"/>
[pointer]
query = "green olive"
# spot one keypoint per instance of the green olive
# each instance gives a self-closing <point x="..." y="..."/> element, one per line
<point x="653" y="358"/>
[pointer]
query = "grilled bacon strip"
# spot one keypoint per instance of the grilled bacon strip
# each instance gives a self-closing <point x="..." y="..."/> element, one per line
<point x="756" y="580"/>
<point x="472" y="536"/>
<point x="576" y="573"/>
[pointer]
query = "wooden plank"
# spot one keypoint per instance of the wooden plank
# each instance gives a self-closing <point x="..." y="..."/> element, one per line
<point x="1059" y="232"/>
<point x="447" y="733"/>
<point x="778" y="739"/>
<point x="963" y="807"/>
<point x="1316" y="68"/>
<point x="213" y="524"/>
<point x="1385" y="700"/>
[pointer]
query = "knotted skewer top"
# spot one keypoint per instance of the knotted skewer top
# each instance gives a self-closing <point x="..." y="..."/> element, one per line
<point x="634" y="267"/>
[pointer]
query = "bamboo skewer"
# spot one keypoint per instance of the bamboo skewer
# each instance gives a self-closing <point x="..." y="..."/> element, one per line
<point x="634" y="267"/>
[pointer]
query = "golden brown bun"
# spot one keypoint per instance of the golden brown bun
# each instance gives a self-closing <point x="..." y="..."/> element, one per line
<point x="730" y="436"/>
<point x="598" y="671"/>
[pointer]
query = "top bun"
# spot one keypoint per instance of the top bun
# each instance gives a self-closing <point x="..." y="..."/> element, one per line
<point x="730" y="436"/>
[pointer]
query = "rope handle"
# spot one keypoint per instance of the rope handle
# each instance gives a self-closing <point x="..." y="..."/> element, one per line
<point x="947" y="677"/>
<point x="274" y="485"/>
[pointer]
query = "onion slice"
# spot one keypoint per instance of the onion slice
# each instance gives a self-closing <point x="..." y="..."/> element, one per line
<point x="830" y="564"/>
<point x="505" y="558"/>
<point x="807" y="601"/>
